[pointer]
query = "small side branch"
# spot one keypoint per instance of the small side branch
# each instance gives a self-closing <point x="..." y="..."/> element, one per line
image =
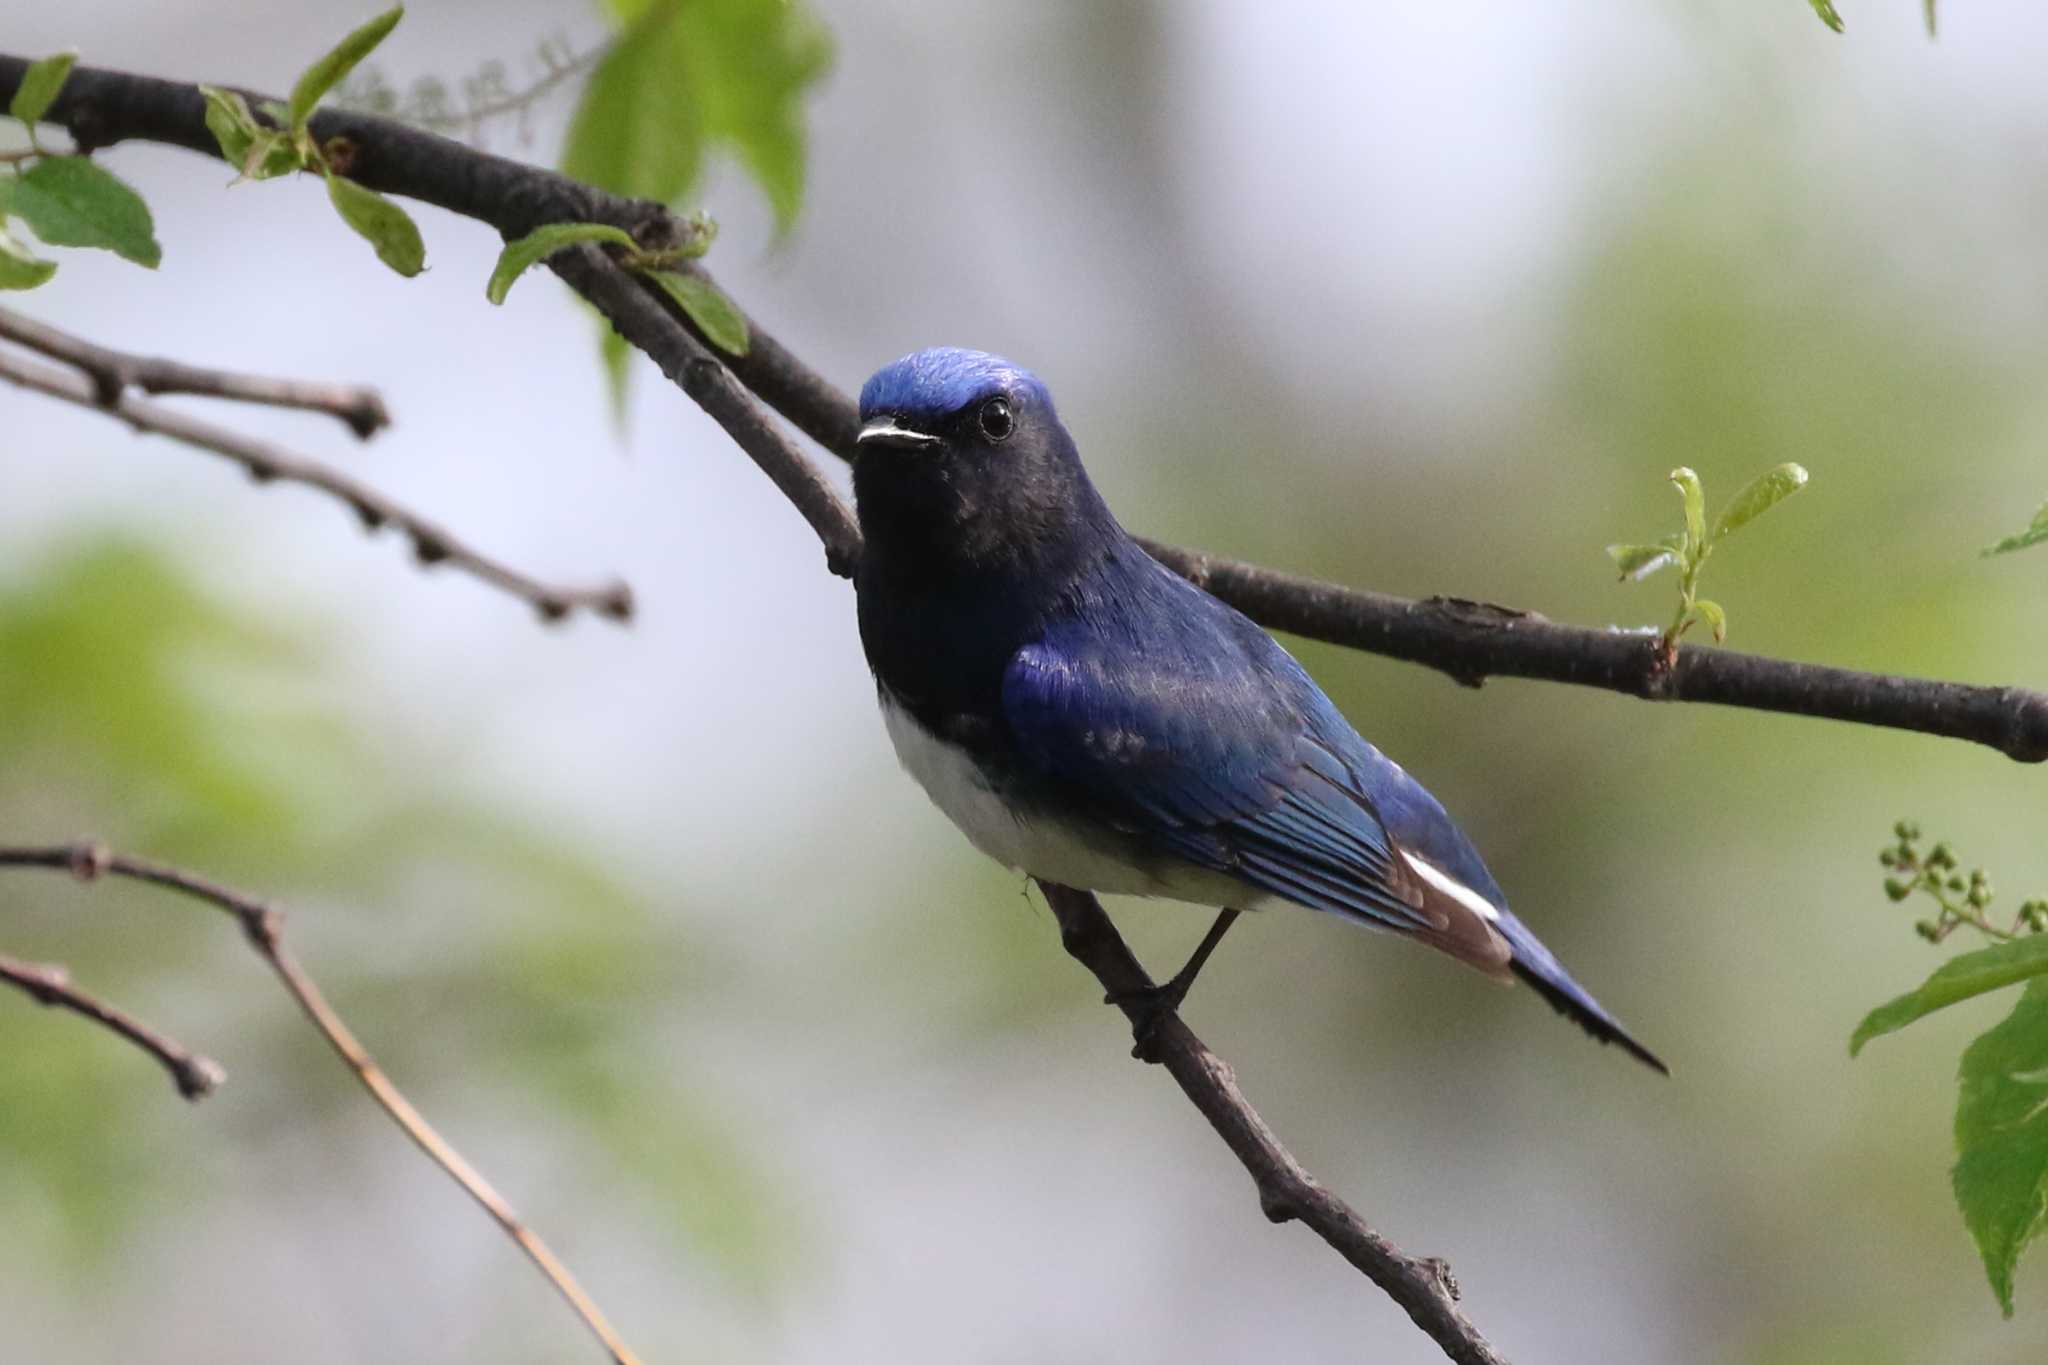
<point x="652" y="323"/>
<point x="263" y="925"/>
<point x="268" y="463"/>
<point x="1423" y="1287"/>
<point x="195" y="1075"/>
<point x="359" y="408"/>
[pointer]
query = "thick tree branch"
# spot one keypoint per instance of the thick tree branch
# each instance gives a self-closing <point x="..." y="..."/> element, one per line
<point x="267" y="463"/>
<point x="1423" y="1287"/>
<point x="196" y="1076"/>
<point x="263" y="925"/>
<point x="1468" y="641"/>
<point x="358" y="407"/>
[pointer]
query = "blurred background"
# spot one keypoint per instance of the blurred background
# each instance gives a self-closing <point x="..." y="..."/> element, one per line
<point x="1423" y="298"/>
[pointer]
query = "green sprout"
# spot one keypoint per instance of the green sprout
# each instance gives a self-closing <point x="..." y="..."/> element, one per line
<point x="1687" y="550"/>
<point x="278" y="140"/>
<point x="2036" y="532"/>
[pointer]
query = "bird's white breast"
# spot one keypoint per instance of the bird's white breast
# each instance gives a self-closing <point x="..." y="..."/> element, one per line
<point x="1043" y="846"/>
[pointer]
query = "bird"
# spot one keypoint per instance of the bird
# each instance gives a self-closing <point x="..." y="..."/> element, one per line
<point x="1090" y="718"/>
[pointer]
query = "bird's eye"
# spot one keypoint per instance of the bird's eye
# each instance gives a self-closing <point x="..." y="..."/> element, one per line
<point x="995" y="419"/>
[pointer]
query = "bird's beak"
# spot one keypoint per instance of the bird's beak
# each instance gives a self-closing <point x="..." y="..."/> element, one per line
<point x="883" y="431"/>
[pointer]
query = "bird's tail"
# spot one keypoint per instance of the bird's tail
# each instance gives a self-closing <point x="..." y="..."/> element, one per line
<point x="1534" y="964"/>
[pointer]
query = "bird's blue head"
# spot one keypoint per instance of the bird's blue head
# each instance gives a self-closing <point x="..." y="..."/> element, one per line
<point x="962" y="463"/>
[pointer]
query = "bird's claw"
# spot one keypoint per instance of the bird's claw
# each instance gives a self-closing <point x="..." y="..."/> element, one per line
<point x="1149" y="1007"/>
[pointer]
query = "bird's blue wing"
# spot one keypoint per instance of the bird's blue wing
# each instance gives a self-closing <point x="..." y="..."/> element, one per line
<point x="1206" y="742"/>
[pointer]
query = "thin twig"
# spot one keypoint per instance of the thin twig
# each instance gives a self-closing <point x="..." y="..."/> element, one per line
<point x="267" y="463"/>
<point x="195" y="1074"/>
<point x="263" y="924"/>
<point x="1422" y="1286"/>
<point x="358" y="407"/>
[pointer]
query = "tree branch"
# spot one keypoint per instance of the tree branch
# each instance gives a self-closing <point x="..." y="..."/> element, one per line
<point x="358" y="407"/>
<point x="1423" y="1287"/>
<point x="263" y="925"/>
<point x="1469" y="641"/>
<point x="266" y="463"/>
<point x="195" y="1075"/>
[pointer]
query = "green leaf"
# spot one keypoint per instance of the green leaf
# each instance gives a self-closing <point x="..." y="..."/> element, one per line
<point x="333" y="68"/>
<point x="383" y="224"/>
<point x="72" y="201"/>
<point x="2001" y="1171"/>
<point x="1637" y="562"/>
<point x="688" y="77"/>
<point x="20" y="268"/>
<point x="616" y="354"/>
<point x="1695" y="507"/>
<point x="1759" y="496"/>
<point x="639" y="128"/>
<point x="1826" y="10"/>
<point x="1930" y="18"/>
<point x="229" y="120"/>
<point x="1987" y="969"/>
<point x="706" y="304"/>
<point x="2036" y="532"/>
<point x="520" y="256"/>
<point x="1716" y="619"/>
<point x="39" y="86"/>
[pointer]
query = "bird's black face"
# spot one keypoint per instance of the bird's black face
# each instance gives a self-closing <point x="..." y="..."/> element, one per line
<point x="963" y="466"/>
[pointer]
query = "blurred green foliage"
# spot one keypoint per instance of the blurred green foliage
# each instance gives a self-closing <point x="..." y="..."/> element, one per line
<point x="683" y="80"/>
<point x="140" y="709"/>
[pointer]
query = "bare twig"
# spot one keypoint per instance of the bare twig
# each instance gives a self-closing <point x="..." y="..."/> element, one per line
<point x="263" y="924"/>
<point x="360" y="408"/>
<point x="1422" y="1286"/>
<point x="195" y="1075"/>
<point x="266" y="463"/>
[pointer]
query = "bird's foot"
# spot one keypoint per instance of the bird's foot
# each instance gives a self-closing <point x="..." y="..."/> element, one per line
<point x="1149" y="1008"/>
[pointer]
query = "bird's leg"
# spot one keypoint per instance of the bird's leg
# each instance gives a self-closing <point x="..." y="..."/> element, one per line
<point x="1155" y="1004"/>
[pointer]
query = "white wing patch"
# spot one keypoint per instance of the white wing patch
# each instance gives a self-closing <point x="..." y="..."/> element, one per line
<point x="1452" y="887"/>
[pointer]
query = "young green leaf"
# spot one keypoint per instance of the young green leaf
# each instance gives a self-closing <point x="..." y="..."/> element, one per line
<point x="2036" y="532"/>
<point x="1716" y="619"/>
<point x="1759" y="496"/>
<point x="39" y="86"/>
<point x="1826" y="10"/>
<point x="333" y="68"/>
<point x="2001" y="1171"/>
<point x="520" y="256"/>
<point x="715" y="315"/>
<point x="19" y="268"/>
<point x="229" y="120"/>
<point x="72" y="201"/>
<point x="1638" y="562"/>
<point x="1960" y="978"/>
<point x="1695" y="506"/>
<point x="383" y="224"/>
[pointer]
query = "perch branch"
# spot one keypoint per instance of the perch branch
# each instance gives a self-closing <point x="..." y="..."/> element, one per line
<point x="263" y="925"/>
<point x="267" y="463"/>
<point x="1422" y="1286"/>
<point x="358" y="407"/>
<point x="1467" y="641"/>
<point x="195" y="1075"/>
